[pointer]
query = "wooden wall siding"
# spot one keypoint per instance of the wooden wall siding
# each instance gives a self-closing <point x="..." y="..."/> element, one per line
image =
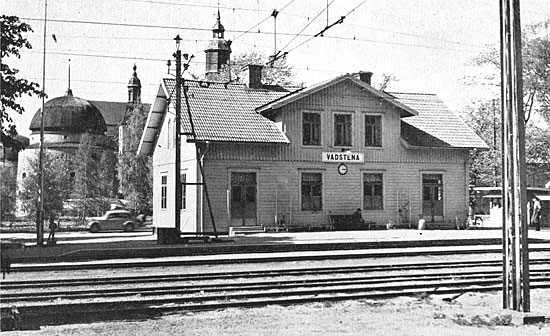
<point x="279" y="188"/>
<point x="163" y="164"/>
<point x="344" y="98"/>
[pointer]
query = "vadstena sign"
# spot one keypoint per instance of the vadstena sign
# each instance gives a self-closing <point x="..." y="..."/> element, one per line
<point x="343" y="157"/>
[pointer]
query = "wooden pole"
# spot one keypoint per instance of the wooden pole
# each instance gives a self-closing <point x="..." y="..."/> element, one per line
<point x="177" y="170"/>
<point x="516" y="291"/>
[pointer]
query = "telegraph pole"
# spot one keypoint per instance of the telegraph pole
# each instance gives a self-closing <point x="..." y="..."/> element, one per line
<point x="177" y="207"/>
<point x="516" y="291"/>
<point x="40" y="210"/>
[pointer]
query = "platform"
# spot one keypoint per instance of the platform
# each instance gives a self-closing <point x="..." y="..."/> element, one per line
<point x="78" y="246"/>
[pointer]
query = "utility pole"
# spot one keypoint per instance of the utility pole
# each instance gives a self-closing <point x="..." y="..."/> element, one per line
<point x="40" y="210"/>
<point x="516" y="291"/>
<point x="177" y="207"/>
<point x="174" y="234"/>
<point x="495" y="161"/>
<point x="274" y="14"/>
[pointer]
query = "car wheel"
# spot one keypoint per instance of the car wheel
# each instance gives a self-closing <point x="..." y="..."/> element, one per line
<point x="129" y="227"/>
<point x="479" y="222"/>
<point x="94" y="228"/>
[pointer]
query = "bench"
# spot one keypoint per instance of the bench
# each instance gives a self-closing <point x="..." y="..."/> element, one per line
<point x="347" y="223"/>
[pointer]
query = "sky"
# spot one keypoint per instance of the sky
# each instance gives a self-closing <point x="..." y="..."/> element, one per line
<point x="427" y="45"/>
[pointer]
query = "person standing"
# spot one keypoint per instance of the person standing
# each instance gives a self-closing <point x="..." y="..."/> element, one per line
<point x="535" y="218"/>
<point x="52" y="227"/>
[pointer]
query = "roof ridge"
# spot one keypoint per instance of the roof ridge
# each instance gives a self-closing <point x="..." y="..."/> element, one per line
<point x="413" y="93"/>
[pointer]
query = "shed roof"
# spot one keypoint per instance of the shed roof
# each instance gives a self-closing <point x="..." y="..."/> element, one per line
<point x="435" y="125"/>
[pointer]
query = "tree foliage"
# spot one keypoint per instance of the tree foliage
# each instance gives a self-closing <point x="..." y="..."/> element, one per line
<point x="57" y="184"/>
<point x="13" y="87"/>
<point x="8" y="187"/>
<point x="277" y="73"/>
<point x="94" y="169"/>
<point x="536" y="69"/>
<point x="485" y="165"/>
<point x="135" y="172"/>
<point x="484" y="119"/>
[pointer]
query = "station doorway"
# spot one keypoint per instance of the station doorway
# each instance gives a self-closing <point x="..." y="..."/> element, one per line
<point x="243" y="204"/>
<point x="432" y="197"/>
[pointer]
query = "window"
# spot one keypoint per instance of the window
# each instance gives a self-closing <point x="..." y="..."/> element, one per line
<point x="311" y="129"/>
<point x="163" y="191"/>
<point x="183" y="191"/>
<point x="372" y="192"/>
<point x="312" y="186"/>
<point x="342" y="130"/>
<point x="373" y="131"/>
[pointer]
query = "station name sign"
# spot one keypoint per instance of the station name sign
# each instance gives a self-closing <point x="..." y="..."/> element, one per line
<point x="343" y="157"/>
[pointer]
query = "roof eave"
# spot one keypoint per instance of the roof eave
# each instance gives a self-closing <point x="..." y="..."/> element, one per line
<point x="149" y="137"/>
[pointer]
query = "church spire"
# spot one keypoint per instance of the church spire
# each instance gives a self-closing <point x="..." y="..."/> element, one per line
<point x="219" y="49"/>
<point x="69" y="91"/>
<point x="134" y="88"/>
<point x="218" y="29"/>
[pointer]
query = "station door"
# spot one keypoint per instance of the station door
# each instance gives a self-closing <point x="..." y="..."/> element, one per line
<point x="243" y="204"/>
<point x="432" y="197"/>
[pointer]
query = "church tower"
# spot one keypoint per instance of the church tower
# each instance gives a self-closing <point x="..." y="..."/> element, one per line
<point x="134" y="88"/>
<point x="218" y="51"/>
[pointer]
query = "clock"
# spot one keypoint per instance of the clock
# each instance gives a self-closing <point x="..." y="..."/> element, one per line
<point x="342" y="169"/>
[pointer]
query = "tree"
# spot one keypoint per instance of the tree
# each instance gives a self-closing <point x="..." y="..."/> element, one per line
<point x="13" y="87"/>
<point x="57" y="184"/>
<point x="536" y="89"/>
<point x="485" y="166"/>
<point x="135" y="172"/>
<point x="536" y="69"/>
<point x="87" y="184"/>
<point x="277" y="73"/>
<point x="385" y="82"/>
<point x="8" y="187"/>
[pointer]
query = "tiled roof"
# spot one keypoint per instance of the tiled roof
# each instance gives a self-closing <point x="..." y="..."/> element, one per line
<point x="226" y="112"/>
<point x="435" y="125"/>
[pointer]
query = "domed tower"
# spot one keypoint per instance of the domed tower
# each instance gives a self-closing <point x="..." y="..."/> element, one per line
<point x="66" y="118"/>
<point x="68" y="121"/>
<point x="218" y="51"/>
<point x="134" y="88"/>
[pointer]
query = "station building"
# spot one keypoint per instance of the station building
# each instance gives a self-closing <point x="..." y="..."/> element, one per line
<point x="273" y="157"/>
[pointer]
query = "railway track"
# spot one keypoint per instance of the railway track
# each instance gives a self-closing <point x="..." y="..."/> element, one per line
<point x="60" y="301"/>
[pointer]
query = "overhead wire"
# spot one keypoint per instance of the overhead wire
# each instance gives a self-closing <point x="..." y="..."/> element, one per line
<point x="310" y="22"/>
<point x="267" y="18"/>
<point x="322" y="31"/>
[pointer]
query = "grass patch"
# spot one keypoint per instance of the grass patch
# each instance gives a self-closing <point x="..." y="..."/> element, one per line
<point x="483" y="320"/>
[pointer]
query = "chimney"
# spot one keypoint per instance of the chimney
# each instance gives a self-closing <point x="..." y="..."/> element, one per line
<point x="365" y="76"/>
<point x="252" y="76"/>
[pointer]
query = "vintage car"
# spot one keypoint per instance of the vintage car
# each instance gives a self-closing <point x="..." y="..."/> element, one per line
<point x="115" y="220"/>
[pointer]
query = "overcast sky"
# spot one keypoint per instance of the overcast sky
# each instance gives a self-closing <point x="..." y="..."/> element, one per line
<point x="426" y="44"/>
